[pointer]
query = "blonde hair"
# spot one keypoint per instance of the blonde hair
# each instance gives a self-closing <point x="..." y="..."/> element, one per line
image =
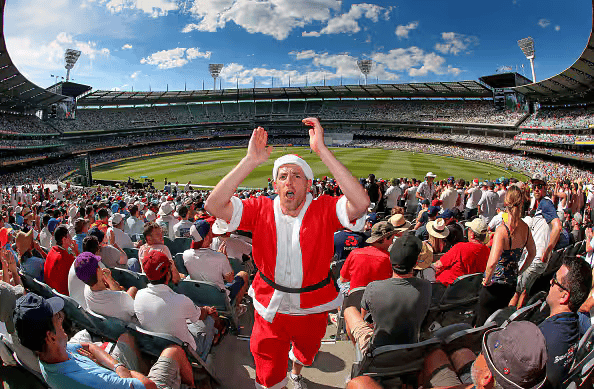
<point x="514" y="202"/>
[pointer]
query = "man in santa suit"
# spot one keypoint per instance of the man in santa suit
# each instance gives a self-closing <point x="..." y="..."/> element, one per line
<point x="293" y="245"/>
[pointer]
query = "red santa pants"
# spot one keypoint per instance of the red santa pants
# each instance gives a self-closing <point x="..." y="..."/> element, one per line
<point x="270" y="344"/>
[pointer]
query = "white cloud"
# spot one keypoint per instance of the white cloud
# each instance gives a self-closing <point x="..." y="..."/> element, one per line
<point x="414" y="61"/>
<point x="557" y="28"/>
<point x="135" y="74"/>
<point x="127" y="46"/>
<point x="348" y="22"/>
<point x="174" y="58"/>
<point x="310" y="33"/>
<point x="403" y="30"/>
<point x="544" y="23"/>
<point x="276" y="18"/>
<point x="455" y="43"/>
<point x="154" y="8"/>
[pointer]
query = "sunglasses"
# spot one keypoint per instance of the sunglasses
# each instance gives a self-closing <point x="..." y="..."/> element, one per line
<point x="538" y="186"/>
<point x="554" y="281"/>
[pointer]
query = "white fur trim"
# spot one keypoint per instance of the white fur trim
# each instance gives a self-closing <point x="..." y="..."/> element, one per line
<point x="341" y="213"/>
<point x="293" y="358"/>
<point x="237" y="212"/>
<point x="293" y="159"/>
<point x="280" y="385"/>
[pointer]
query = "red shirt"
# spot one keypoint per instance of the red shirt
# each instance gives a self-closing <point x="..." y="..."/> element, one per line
<point x="56" y="268"/>
<point x="365" y="265"/>
<point x="463" y="258"/>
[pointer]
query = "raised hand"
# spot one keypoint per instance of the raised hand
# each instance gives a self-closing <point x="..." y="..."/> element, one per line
<point x="257" y="149"/>
<point x="316" y="134"/>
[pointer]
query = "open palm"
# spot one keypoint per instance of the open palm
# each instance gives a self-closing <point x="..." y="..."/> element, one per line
<point x="316" y="134"/>
<point x="257" y="149"/>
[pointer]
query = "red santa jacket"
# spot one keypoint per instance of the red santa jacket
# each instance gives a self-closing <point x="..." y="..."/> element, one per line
<point x="294" y="252"/>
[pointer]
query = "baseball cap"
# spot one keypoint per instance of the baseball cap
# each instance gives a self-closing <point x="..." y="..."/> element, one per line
<point x="4" y="232"/>
<point x="380" y="231"/>
<point x="372" y="217"/>
<point x="85" y="266"/>
<point x="116" y="219"/>
<point x="448" y="213"/>
<point x="30" y="311"/>
<point x="432" y="211"/>
<point x="155" y="265"/>
<point x="477" y="225"/>
<point x="96" y="232"/>
<point x="404" y="253"/>
<point x="425" y="202"/>
<point x="516" y="355"/>
<point x="150" y="216"/>
<point x="539" y="177"/>
<point x="220" y="227"/>
<point x="166" y="209"/>
<point x="52" y="224"/>
<point x="436" y="203"/>
<point x="199" y="230"/>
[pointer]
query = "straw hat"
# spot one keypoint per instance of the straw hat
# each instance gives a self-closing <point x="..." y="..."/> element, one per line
<point x="399" y="222"/>
<point x="438" y="229"/>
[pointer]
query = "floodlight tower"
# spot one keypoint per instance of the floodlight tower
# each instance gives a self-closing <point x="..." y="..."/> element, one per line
<point x="365" y="67"/>
<point x="215" y="70"/>
<point x="527" y="46"/>
<point x="71" y="56"/>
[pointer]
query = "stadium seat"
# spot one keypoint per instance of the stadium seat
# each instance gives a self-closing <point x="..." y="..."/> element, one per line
<point x="470" y="338"/>
<point x="77" y="314"/>
<point x="127" y="278"/>
<point x="525" y="313"/>
<point x="500" y="316"/>
<point x="336" y="266"/>
<point x="583" y="364"/>
<point x="181" y="244"/>
<point x="170" y="245"/>
<point x="394" y="360"/>
<point x="36" y="286"/>
<point x="107" y="327"/>
<point x="153" y="343"/>
<point x="574" y="249"/>
<point x="179" y="263"/>
<point x="463" y="291"/>
<point x="131" y="253"/>
<point x="204" y="293"/>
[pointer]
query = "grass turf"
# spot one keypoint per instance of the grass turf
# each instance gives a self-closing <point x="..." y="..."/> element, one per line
<point x="208" y="167"/>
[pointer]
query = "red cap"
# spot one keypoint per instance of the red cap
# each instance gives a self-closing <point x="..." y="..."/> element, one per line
<point x="436" y="203"/>
<point x="170" y="198"/>
<point x="155" y="265"/>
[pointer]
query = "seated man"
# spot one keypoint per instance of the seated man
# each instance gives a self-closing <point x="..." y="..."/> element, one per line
<point x="153" y="235"/>
<point x="204" y="264"/>
<point x="38" y="324"/>
<point x="102" y="293"/>
<point x="465" y="257"/>
<point x="160" y="309"/>
<point x="397" y="305"/>
<point x="569" y="289"/>
<point x="31" y="256"/>
<point x="110" y="255"/>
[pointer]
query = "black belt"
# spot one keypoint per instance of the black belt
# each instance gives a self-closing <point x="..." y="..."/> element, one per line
<point x="310" y="288"/>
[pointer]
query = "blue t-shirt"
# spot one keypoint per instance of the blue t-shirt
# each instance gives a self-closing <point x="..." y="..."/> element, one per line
<point x="80" y="372"/>
<point x="562" y="334"/>
<point x="546" y="209"/>
<point x="344" y="242"/>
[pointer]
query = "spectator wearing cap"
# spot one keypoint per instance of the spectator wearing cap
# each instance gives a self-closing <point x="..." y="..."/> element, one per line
<point x="456" y="234"/>
<point x="134" y="225"/>
<point x="230" y="245"/>
<point x="110" y="255"/>
<point x="487" y="205"/>
<point x="400" y="224"/>
<point x="393" y="194"/>
<point x="59" y="260"/>
<point x="31" y="256"/>
<point x="474" y="195"/>
<point x="425" y="218"/>
<point x="371" y="263"/>
<point x="569" y="289"/>
<point x="102" y="294"/>
<point x="449" y="195"/>
<point x="205" y="264"/>
<point x="39" y="325"/>
<point x="166" y="220"/>
<point x="115" y="233"/>
<point x="153" y="235"/>
<point x="46" y="236"/>
<point x="397" y="305"/>
<point x="464" y="257"/>
<point x="160" y="309"/>
<point x="182" y="228"/>
<point x="150" y="217"/>
<point x="576" y="228"/>
<point x="426" y="189"/>
<point x="101" y="221"/>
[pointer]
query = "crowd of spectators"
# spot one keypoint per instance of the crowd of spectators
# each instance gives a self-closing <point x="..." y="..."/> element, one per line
<point x="581" y="117"/>
<point x="18" y="124"/>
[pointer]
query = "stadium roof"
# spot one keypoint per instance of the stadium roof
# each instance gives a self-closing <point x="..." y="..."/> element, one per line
<point x="573" y="85"/>
<point x="461" y="89"/>
<point x="16" y="92"/>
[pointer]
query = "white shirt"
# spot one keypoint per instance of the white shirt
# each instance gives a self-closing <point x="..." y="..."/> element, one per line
<point x="166" y="223"/>
<point x="207" y="265"/>
<point x="118" y="304"/>
<point x="392" y="194"/>
<point x="236" y="247"/>
<point x="121" y="238"/>
<point x="182" y="229"/>
<point x="474" y="196"/>
<point x="160" y="309"/>
<point x="449" y="197"/>
<point x="46" y="239"/>
<point x="411" y="199"/>
<point x="590" y="256"/>
<point x="134" y="226"/>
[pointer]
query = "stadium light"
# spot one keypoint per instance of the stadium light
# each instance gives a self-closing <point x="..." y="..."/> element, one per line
<point x="365" y="67"/>
<point x="71" y="56"/>
<point x="527" y="46"/>
<point x="215" y="70"/>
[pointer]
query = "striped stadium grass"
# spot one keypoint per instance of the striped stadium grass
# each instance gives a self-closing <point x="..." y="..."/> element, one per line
<point x="208" y="167"/>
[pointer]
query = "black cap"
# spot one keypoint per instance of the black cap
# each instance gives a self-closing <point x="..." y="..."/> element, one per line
<point x="32" y="310"/>
<point x="405" y="252"/>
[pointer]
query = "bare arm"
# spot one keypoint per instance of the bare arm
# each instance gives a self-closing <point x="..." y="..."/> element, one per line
<point x="531" y="248"/>
<point x="219" y="201"/>
<point x="555" y="233"/>
<point x="357" y="198"/>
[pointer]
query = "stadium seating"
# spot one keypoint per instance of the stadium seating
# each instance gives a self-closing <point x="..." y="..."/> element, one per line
<point x="470" y="338"/>
<point x="525" y="313"/>
<point x="583" y="364"/>
<point x="78" y="315"/>
<point x="128" y="278"/>
<point x="131" y="252"/>
<point x="179" y="263"/>
<point x="107" y="327"/>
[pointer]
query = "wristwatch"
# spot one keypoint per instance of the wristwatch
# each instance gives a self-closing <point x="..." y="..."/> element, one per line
<point x="115" y="367"/>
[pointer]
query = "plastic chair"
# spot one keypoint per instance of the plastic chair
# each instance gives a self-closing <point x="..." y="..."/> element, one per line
<point x="77" y="314"/>
<point x="179" y="263"/>
<point x="394" y="360"/>
<point x="583" y="363"/>
<point x="525" y="313"/>
<point x="108" y="327"/>
<point x="204" y="293"/>
<point x="236" y="265"/>
<point x="468" y="338"/>
<point x="181" y="245"/>
<point x="500" y="316"/>
<point x="127" y="278"/>
<point x="463" y="291"/>
<point x="36" y="286"/>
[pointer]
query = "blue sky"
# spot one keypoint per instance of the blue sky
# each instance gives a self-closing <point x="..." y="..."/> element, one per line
<point x="156" y="44"/>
